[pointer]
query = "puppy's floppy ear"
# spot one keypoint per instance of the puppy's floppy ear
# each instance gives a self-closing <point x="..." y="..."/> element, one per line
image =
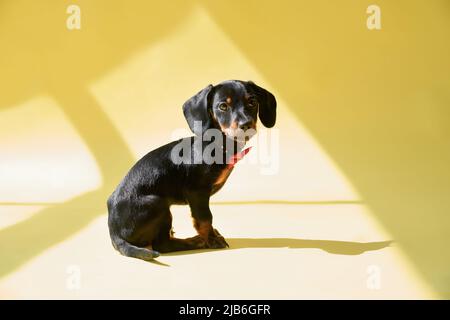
<point x="267" y="105"/>
<point x="196" y="109"/>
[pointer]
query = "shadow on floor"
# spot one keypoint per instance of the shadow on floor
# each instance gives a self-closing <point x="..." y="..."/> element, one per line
<point x="330" y="246"/>
<point x="21" y="242"/>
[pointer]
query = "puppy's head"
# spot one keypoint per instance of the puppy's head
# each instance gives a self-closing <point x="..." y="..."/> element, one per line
<point x="232" y="107"/>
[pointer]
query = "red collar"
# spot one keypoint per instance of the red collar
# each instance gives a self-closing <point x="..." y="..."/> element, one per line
<point x="238" y="156"/>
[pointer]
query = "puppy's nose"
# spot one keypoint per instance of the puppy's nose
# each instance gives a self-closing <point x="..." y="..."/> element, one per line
<point x="244" y="126"/>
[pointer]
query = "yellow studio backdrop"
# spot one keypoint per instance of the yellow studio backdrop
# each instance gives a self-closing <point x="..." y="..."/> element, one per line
<point x="364" y="151"/>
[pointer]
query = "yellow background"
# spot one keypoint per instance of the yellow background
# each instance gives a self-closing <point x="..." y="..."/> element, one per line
<point x="364" y="125"/>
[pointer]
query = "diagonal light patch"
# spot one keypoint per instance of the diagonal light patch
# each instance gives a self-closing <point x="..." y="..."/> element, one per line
<point x="42" y="160"/>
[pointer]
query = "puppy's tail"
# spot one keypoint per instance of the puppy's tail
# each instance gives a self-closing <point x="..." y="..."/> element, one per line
<point x="129" y="250"/>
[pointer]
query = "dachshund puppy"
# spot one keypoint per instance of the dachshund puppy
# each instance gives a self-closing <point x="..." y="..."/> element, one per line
<point x="139" y="220"/>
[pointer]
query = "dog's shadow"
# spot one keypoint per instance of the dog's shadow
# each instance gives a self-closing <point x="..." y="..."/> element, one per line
<point x="330" y="246"/>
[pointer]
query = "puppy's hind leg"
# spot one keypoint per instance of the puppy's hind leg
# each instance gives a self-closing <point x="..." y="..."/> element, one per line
<point x="134" y="224"/>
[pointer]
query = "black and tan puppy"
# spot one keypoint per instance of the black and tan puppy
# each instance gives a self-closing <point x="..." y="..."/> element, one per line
<point x="140" y="222"/>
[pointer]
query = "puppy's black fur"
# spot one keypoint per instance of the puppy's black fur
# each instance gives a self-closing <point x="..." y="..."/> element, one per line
<point x="140" y="222"/>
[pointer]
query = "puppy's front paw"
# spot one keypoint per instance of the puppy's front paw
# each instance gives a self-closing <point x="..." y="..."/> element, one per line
<point x="198" y="242"/>
<point x="216" y="241"/>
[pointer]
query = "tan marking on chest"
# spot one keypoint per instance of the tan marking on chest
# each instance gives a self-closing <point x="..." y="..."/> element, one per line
<point x="223" y="175"/>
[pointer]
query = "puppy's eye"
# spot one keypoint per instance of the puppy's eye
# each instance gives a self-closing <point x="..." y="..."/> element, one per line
<point x="223" y="106"/>
<point x="252" y="103"/>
